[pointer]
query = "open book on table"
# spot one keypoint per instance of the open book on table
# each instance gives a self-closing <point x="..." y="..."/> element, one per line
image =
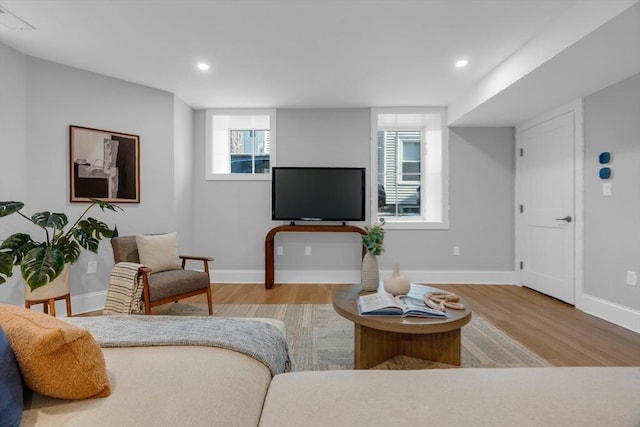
<point x="384" y="304"/>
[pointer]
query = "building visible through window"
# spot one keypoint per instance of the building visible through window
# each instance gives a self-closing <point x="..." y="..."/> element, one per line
<point x="411" y="167"/>
<point x="249" y="151"/>
<point x="399" y="172"/>
<point x="240" y="144"/>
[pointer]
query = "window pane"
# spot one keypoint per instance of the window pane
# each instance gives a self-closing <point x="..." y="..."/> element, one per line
<point x="241" y="163"/>
<point x="399" y="172"/>
<point x="261" y="142"/>
<point x="262" y="164"/>
<point x="411" y="151"/>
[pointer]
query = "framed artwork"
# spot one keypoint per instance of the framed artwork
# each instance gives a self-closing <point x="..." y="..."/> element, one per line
<point x="103" y="165"/>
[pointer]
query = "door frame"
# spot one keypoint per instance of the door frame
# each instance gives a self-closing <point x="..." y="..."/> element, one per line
<point x="577" y="107"/>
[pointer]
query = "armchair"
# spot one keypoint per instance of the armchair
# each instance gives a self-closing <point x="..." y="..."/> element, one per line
<point x="166" y="286"/>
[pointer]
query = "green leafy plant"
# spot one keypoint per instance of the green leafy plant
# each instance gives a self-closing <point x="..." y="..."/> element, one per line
<point x="42" y="261"/>
<point x="373" y="240"/>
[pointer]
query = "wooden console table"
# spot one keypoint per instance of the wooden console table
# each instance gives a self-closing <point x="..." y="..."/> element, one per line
<point x="269" y="274"/>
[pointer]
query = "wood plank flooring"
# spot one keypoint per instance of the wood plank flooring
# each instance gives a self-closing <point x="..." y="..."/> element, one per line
<point x="556" y="331"/>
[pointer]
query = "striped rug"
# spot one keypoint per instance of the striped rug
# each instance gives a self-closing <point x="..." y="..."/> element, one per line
<point x="320" y="339"/>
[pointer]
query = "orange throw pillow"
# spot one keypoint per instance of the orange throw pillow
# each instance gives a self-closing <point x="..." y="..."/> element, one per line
<point x="56" y="359"/>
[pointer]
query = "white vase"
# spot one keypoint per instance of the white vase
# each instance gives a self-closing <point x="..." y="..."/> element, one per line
<point x="59" y="286"/>
<point x="370" y="275"/>
<point x="397" y="284"/>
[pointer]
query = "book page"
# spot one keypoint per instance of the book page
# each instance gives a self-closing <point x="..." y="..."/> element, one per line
<point x="377" y="301"/>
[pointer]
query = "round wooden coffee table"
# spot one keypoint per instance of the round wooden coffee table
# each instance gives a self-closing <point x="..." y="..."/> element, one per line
<point x="380" y="338"/>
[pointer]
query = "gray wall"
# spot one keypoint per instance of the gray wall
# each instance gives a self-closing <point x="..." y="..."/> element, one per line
<point x="56" y="96"/>
<point x="13" y="151"/>
<point x="481" y="204"/>
<point x="612" y="224"/>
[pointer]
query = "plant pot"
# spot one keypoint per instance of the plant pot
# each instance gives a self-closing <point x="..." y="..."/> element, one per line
<point x="397" y="284"/>
<point x="370" y="275"/>
<point x="61" y="285"/>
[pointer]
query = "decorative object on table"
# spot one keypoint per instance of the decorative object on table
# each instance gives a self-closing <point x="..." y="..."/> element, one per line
<point x="41" y="262"/>
<point x="397" y="284"/>
<point x="103" y="164"/>
<point x="373" y="241"/>
<point x="441" y="300"/>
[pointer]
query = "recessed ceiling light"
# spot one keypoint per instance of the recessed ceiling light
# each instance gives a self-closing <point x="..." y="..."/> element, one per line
<point x="202" y="66"/>
<point x="461" y="63"/>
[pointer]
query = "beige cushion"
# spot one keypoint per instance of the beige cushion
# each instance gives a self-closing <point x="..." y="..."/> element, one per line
<point x="56" y="359"/>
<point x="159" y="252"/>
<point x="456" y="397"/>
<point x="165" y="386"/>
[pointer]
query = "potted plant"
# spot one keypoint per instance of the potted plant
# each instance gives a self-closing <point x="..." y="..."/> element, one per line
<point x="373" y="241"/>
<point x="42" y="261"/>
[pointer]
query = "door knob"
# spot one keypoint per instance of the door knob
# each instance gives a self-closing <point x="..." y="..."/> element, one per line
<point x="566" y="218"/>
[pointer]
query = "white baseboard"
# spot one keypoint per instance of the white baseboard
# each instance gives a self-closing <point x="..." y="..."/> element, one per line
<point x="353" y="276"/>
<point x="85" y="303"/>
<point x="611" y="312"/>
<point x="606" y="310"/>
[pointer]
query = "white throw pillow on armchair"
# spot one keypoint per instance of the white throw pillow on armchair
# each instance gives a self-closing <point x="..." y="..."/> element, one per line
<point x="159" y="252"/>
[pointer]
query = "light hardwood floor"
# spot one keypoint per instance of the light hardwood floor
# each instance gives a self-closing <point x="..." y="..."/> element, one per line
<point x="556" y="331"/>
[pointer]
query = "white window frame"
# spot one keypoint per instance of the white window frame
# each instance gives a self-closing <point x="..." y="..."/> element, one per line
<point x="434" y="179"/>
<point x="237" y="118"/>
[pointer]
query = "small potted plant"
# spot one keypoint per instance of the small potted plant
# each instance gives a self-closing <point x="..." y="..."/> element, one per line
<point x="373" y="241"/>
<point x="43" y="261"/>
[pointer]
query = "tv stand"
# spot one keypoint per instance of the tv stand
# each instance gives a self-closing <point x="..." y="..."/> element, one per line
<point x="269" y="271"/>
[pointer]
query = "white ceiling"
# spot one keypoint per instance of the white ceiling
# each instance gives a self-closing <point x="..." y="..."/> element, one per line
<point x="317" y="54"/>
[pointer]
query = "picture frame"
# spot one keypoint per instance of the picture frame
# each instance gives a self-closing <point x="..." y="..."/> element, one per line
<point x="104" y="165"/>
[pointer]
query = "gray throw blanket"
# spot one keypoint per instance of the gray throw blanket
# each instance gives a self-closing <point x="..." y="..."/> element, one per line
<point x="260" y="340"/>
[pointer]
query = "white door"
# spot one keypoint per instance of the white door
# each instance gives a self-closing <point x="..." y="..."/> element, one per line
<point x="547" y="206"/>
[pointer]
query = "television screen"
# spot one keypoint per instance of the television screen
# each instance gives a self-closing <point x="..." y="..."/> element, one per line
<point x="318" y="194"/>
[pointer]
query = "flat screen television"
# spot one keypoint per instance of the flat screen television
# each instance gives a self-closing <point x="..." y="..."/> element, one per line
<point x="318" y="194"/>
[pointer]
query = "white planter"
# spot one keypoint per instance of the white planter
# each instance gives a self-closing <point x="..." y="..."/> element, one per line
<point x="61" y="285"/>
<point x="370" y="274"/>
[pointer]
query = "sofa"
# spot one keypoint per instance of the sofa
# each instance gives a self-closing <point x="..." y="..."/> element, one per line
<point x="193" y="385"/>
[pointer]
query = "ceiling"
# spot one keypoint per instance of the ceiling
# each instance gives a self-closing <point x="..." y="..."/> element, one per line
<point x="332" y="53"/>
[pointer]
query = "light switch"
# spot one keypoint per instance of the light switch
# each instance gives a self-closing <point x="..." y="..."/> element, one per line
<point x="606" y="189"/>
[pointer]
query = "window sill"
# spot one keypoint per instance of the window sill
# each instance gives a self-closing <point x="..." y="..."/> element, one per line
<point x="415" y="225"/>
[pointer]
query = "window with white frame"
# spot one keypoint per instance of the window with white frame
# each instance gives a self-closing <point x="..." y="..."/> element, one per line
<point x="411" y="165"/>
<point x="240" y="144"/>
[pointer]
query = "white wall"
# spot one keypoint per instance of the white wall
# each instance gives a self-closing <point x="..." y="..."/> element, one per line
<point x="612" y="224"/>
<point x="57" y="96"/>
<point x="13" y="153"/>
<point x="183" y="179"/>
<point x="232" y="218"/>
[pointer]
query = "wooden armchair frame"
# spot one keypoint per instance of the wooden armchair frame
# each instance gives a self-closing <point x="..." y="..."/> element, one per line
<point x="131" y="255"/>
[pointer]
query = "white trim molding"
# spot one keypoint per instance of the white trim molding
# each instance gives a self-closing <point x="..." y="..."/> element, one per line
<point x="612" y="312"/>
<point x="353" y="276"/>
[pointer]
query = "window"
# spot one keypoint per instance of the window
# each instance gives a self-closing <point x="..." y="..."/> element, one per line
<point x="240" y="144"/>
<point x="411" y="164"/>
<point x="249" y="151"/>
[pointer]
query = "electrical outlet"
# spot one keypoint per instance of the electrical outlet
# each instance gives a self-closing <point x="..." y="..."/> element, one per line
<point x="279" y="250"/>
<point x="307" y="250"/>
<point x="632" y="278"/>
<point x="456" y="250"/>
<point x="92" y="267"/>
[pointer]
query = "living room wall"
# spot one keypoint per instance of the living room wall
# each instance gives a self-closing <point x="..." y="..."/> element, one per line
<point x="233" y="217"/>
<point x="612" y="223"/>
<point x="14" y="165"/>
<point x="56" y="96"/>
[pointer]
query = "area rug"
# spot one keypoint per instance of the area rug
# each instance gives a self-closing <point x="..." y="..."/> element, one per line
<point x="320" y="339"/>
